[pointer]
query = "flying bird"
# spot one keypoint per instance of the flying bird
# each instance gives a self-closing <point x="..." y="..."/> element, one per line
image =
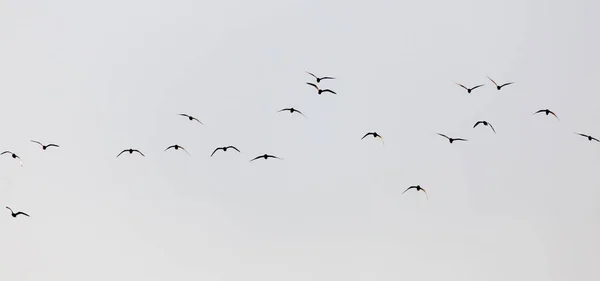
<point x="45" y="146"/>
<point x="320" y="78"/>
<point x="500" y="86"/>
<point x="590" y="138"/>
<point x="469" y="89"/>
<point x="320" y="91"/>
<point x="374" y="134"/>
<point x="418" y="188"/>
<point x="265" y="156"/>
<point x="485" y="123"/>
<point x="452" y="139"/>
<point x="224" y="149"/>
<point x="547" y="111"/>
<point x="191" y="118"/>
<point x="131" y="150"/>
<point x="292" y="110"/>
<point x="176" y="147"/>
<point x="13" y="156"/>
<point x="14" y="215"/>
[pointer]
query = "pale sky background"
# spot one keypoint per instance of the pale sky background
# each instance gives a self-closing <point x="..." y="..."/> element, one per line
<point x="97" y="77"/>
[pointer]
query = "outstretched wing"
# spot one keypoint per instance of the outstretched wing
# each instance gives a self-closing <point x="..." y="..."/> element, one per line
<point x="273" y="156"/>
<point x="409" y="189"/>
<point x="213" y="153"/>
<point x="595" y="139"/>
<point x="20" y="213"/>
<point x="312" y="75"/>
<point x="330" y="91"/>
<point x="55" y="145"/>
<point x="492" y="81"/>
<point x="554" y="115"/>
<point x="444" y="136"/>
<point x="231" y="146"/>
<point x="477" y="87"/>
<point x="366" y="135"/>
<point x="285" y="109"/>
<point x="5" y="152"/>
<point x="185" y="150"/>
<point x="460" y="140"/>
<point x="194" y="118"/>
<point x="257" y="157"/>
<point x="426" y="196"/>
<point x="122" y="152"/>
<point x="541" y="110"/>
<point x="37" y="142"/>
<point x="478" y="122"/>
<point x="327" y="77"/>
<point x="139" y="152"/>
<point x="506" y="84"/>
<point x="492" y="127"/>
<point x="462" y="86"/>
<point x="312" y="85"/>
<point x="172" y="146"/>
<point x="185" y="115"/>
<point x="301" y="113"/>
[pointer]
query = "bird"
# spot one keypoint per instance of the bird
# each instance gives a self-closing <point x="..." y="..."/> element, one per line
<point x="500" y="87"/>
<point x="131" y="150"/>
<point x="418" y="188"/>
<point x="13" y="156"/>
<point x="45" y="146"/>
<point x="320" y="78"/>
<point x="292" y="110"/>
<point x="191" y="118"/>
<point x="590" y="138"/>
<point x="374" y="134"/>
<point x="320" y="91"/>
<point x="485" y="123"/>
<point x="452" y="139"/>
<point x="16" y="214"/>
<point x="176" y="147"/>
<point x="265" y="156"/>
<point x="224" y="148"/>
<point x="469" y="89"/>
<point x="547" y="111"/>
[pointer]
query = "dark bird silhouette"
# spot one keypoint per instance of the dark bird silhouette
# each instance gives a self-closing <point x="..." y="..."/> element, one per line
<point x="320" y="78"/>
<point x="418" y="188"/>
<point x="265" y="156"/>
<point x="452" y="139"/>
<point x="374" y="134"/>
<point x="191" y="118"/>
<point x="292" y="110"/>
<point x="469" y="89"/>
<point x="45" y="146"/>
<point x="131" y="150"/>
<point x="500" y="86"/>
<point x="16" y="214"/>
<point x="14" y="156"/>
<point x="225" y="149"/>
<point x="590" y="138"/>
<point x="547" y="111"/>
<point x="177" y="147"/>
<point x="485" y="123"/>
<point x="320" y="91"/>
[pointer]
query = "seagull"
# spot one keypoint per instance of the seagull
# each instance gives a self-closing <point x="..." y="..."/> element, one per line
<point x="131" y="150"/>
<point x="292" y="110"/>
<point x="176" y="147"/>
<point x="500" y="87"/>
<point x="451" y="139"/>
<point x="192" y="118"/>
<point x="224" y="149"/>
<point x="265" y="156"/>
<point x="485" y="123"/>
<point x="374" y="134"/>
<point x="45" y="146"/>
<point x="419" y="188"/>
<point x="16" y="214"/>
<point x="469" y="89"/>
<point x="320" y="78"/>
<point x="321" y="90"/>
<point x="547" y="111"/>
<point x="13" y="156"/>
<point x="590" y="138"/>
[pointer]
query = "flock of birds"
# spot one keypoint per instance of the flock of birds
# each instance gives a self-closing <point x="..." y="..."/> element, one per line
<point x="292" y="110"/>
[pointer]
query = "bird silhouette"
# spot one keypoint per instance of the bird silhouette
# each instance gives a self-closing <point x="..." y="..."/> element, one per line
<point x="265" y="156"/>
<point x="320" y="91"/>
<point x="320" y="78"/>
<point x="498" y="87"/>
<point x="131" y="150"/>
<point x="418" y="188"/>
<point x="177" y="147"/>
<point x="374" y="134"/>
<point x="44" y="147"/>
<point x="224" y="148"/>
<point x="469" y="89"/>
<point x="14" y="215"/>
<point x="485" y="123"/>
<point x="590" y="138"/>
<point x="452" y="139"/>
<point x="292" y="110"/>
<point x="191" y="118"/>
<point x="14" y="156"/>
<point x="547" y="111"/>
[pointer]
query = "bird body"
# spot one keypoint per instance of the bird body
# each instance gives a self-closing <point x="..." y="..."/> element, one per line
<point x="452" y="139"/>
<point x="292" y="110"/>
<point x="319" y="90"/>
<point x="177" y="147"/>
<point x="590" y="138"/>
<point x="265" y="156"/>
<point x="44" y="147"/>
<point x="131" y="150"/>
<point x="320" y="78"/>
<point x="191" y="118"/>
<point x="547" y="111"/>
<point x="418" y="188"/>
<point x="485" y="123"/>
<point x="224" y="148"/>
<point x="498" y="87"/>
<point x="14" y="215"/>
<point x="469" y="90"/>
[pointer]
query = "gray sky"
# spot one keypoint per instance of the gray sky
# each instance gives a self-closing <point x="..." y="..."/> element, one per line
<point x="100" y="77"/>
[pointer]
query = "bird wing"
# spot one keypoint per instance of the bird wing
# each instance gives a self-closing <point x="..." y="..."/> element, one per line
<point x="366" y="135"/>
<point x="506" y="84"/>
<point x="139" y="152"/>
<point x="444" y="136"/>
<point x="460" y="139"/>
<point x="231" y="146"/>
<point x="122" y="152"/>
<point x="172" y="146"/>
<point x="408" y="189"/>
<point x="20" y="213"/>
<point x="273" y="156"/>
<point x="312" y="74"/>
<point x="9" y="209"/>
<point x="492" y="81"/>
<point x="595" y="139"/>
<point x="5" y="152"/>
<point x="477" y="87"/>
<point x="301" y="113"/>
<point x="183" y="114"/>
<point x="492" y="127"/>
<point x="213" y="153"/>
<point x="327" y="77"/>
<point x="312" y="85"/>
<point x="37" y="142"/>
<point x="462" y="86"/>
<point x="256" y="158"/>
<point x="554" y="115"/>
<point x="185" y="150"/>
<point x="55" y="145"/>
<point x="583" y="135"/>
<point x="541" y="110"/>
<point x="426" y="196"/>
<point x="288" y="109"/>
<point x="194" y="118"/>
<point x="477" y="124"/>
<point x="330" y="91"/>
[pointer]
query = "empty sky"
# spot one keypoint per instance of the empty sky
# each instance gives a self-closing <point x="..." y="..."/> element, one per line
<point x="97" y="77"/>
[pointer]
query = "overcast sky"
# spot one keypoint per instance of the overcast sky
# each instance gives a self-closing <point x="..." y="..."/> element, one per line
<point x="97" y="77"/>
